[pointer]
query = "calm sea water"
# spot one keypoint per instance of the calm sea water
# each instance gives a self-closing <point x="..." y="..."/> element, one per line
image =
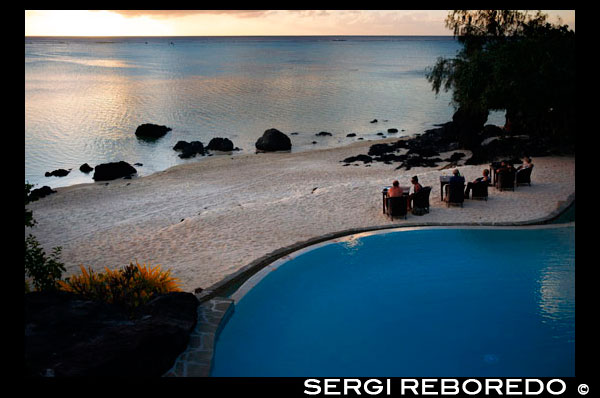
<point x="459" y="307"/>
<point x="84" y="97"/>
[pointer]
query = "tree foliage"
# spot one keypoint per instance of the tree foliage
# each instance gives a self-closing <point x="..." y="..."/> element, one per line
<point x="514" y="61"/>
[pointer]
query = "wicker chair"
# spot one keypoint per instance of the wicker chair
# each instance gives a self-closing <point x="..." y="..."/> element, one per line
<point x="480" y="190"/>
<point x="506" y="180"/>
<point x="455" y="194"/>
<point x="421" y="199"/>
<point x="396" y="207"/>
<point x="524" y="176"/>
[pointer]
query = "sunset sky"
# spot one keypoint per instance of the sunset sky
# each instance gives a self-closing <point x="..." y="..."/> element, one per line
<point x="245" y="22"/>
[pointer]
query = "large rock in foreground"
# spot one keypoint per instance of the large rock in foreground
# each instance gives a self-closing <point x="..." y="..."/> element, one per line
<point x="66" y="335"/>
<point x="273" y="140"/>
<point x="112" y="171"/>
<point x="150" y="130"/>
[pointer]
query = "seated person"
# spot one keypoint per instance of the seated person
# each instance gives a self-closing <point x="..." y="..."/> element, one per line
<point x="395" y="190"/>
<point x="526" y="163"/>
<point x="416" y="188"/>
<point x="456" y="178"/>
<point x="485" y="178"/>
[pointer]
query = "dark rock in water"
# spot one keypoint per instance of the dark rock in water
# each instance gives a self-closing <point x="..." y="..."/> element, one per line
<point x="273" y="140"/>
<point x="111" y="171"/>
<point x="138" y="164"/>
<point x="294" y="133"/>
<point x="314" y="142"/>
<point x="351" y="135"/>
<point x="359" y="158"/>
<point x="57" y="173"/>
<point x="180" y="145"/>
<point x="373" y="121"/>
<point x="220" y="144"/>
<point x="323" y="134"/>
<point x="66" y="335"/>
<point x="189" y="149"/>
<point x="360" y="138"/>
<point x="379" y="133"/>
<point x="392" y="131"/>
<point x="150" y="130"/>
<point x="85" y="168"/>
<point x="40" y="193"/>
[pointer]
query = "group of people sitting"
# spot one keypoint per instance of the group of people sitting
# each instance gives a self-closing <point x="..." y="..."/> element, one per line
<point x="396" y="190"/>
<point x="504" y="166"/>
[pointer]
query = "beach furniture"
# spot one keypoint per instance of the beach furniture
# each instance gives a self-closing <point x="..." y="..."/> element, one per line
<point x="421" y="199"/>
<point x="480" y="190"/>
<point x="455" y="193"/>
<point x="384" y="195"/>
<point x="523" y="176"/>
<point x="506" y="180"/>
<point x="396" y="207"/>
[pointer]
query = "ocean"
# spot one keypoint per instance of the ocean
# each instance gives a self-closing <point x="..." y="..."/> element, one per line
<point x="85" y="97"/>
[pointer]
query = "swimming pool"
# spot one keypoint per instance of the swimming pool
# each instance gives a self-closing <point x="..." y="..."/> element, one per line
<point x="435" y="301"/>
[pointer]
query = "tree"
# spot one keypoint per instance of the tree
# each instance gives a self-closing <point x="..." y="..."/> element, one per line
<point x="513" y="61"/>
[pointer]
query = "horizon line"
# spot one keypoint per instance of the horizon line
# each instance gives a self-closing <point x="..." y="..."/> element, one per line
<point x="340" y="35"/>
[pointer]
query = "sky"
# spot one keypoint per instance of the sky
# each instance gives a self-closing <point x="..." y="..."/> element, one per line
<point x="245" y="22"/>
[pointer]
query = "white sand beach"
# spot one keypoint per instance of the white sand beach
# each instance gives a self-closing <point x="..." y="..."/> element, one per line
<point x="210" y="217"/>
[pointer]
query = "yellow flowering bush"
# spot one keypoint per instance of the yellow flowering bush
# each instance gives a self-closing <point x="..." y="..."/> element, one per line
<point x="130" y="286"/>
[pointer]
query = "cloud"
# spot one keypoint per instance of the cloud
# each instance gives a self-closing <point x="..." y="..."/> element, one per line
<point x="185" y="13"/>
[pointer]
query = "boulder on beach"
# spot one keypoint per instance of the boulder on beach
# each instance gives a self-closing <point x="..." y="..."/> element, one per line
<point x="112" y="171"/>
<point x="273" y="140"/>
<point x="220" y="144"/>
<point x="323" y="134"/>
<point x="57" y="173"/>
<point x="66" y="335"/>
<point x="150" y="130"/>
<point x="392" y="131"/>
<point x="351" y="135"/>
<point x="373" y="121"/>
<point x="85" y="168"/>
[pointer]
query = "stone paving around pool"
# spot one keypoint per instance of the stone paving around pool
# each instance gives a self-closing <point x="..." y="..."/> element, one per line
<point x="196" y="360"/>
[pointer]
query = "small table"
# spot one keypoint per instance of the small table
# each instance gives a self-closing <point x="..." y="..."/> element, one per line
<point x="384" y="194"/>
<point x="443" y="181"/>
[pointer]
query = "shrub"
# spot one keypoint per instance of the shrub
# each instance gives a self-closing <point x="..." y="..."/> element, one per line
<point x="44" y="271"/>
<point x="130" y="286"/>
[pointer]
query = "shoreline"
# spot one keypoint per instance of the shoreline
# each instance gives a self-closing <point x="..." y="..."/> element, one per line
<point x="206" y="220"/>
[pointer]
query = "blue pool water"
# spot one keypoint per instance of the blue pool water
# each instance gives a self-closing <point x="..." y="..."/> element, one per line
<point x="425" y="302"/>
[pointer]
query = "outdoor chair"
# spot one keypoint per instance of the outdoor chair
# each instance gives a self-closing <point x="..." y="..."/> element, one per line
<point x="421" y="199"/>
<point x="506" y="180"/>
<point x="479" y="190"/>
<point x="396" y="207"/>
<point x="455" y="193"/>
<point x="524" y="176"/>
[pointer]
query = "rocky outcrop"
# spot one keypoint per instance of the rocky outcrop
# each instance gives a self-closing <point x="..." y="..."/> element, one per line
<point x="150" y="130"/>
<point x="112" y="171"/>
<point x="66" y="335"/>
<point x="220" y="144"/>
<point x="57" y="173"/>
<point x="273" y="140"/>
